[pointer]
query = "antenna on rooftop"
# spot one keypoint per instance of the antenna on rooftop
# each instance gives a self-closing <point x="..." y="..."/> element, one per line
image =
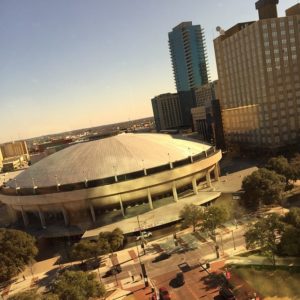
<point x="220" y="30"/>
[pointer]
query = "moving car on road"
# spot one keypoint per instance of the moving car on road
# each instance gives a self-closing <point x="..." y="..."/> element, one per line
<point x="226" y="293"/>
<point x="162" y="256"/>
<point x="179" y="279"/>
<point x="164" y="294"/>
<point x="113" y="271"/>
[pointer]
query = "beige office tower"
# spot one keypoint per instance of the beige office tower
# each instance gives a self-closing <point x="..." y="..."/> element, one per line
<point x="259" y="79"/>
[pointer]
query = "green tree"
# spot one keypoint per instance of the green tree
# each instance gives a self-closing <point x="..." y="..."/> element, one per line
<point x="281" y="166"/>
<point x="290" y="243"/>
<point x="191" y="215"/>
<point x="107" y="242"/>
<point x="265" y="234"/>
<point x="212" y="218"/>
<point x="85" y="249"/>
<point x="72" y="285"/>
<point x="293" y="217"/>
<point x="295" y="165"/>
<point x="17" y="249"/>
<point x="113" y="239"/>
<point x="262" y="187"/>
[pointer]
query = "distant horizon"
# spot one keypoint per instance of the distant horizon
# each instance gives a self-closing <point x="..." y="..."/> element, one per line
<point x="75" y="129"/>
<point x="78" y="64"/>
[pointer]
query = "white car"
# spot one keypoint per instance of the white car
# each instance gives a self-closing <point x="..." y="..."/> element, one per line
<point x="144" y="234"/>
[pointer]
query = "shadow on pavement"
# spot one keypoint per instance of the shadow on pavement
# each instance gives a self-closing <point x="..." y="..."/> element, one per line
<point x="213" y="280"/>
<point x="174" y="283"/>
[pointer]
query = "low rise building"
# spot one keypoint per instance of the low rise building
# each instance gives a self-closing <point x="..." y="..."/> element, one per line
<point x="173" y="111"/>
<point x="12" y="154"/>
<point x="206" y="115"/>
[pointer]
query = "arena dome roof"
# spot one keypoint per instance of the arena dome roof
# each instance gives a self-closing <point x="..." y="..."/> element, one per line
<point x="120" y="154"/>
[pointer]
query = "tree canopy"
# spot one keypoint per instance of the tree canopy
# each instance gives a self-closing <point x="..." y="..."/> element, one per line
<point x="17" y="249"/>
<point x="191" y="215"/>
<point x="262" y="187"/>
<point x="281" y="166"/>
<point x="107" y="242"/>
<point x="293" y="217"/>
<point x="114" y="238"/>
<point x="295" y="165"/>
<point x="265" y="234"/>
<point x="212" y="218"/>
<point x="33" y="295"/>
<point x="290" y="243"/>
<point x="85" y="249"/>
<point x="77" y="285"/>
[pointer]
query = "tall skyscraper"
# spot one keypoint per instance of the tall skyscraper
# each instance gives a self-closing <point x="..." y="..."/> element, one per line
<point x="188" y="54"/>
<point x="259" y="79"/>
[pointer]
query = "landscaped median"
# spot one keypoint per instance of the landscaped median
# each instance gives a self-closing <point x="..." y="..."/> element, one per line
<point x="252" y="272"/>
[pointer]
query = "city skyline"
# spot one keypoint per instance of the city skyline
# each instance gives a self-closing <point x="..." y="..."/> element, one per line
<point x="81" y="64"/>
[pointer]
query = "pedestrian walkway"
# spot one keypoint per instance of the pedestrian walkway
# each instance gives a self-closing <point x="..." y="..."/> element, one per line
<point x="153" y="218"/>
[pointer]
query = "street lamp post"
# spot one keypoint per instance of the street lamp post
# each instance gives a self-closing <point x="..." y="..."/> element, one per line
<point x="233" y="240"/>
<point x="215" y="237"/>
<point x="142" y="265"/>
<point x="222" y="243"/>
<point x="141" y="235"/>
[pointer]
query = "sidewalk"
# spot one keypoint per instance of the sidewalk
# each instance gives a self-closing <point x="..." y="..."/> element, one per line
<point x="150" y="219"/>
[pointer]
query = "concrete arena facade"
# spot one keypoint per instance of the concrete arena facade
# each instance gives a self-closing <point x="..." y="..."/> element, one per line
<point x="116" y="192"/>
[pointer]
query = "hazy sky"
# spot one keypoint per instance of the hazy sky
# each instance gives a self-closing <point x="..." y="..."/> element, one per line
<point x="68" y="64"/>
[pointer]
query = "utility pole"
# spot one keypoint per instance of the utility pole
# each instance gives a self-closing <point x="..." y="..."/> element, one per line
<point x="143" y="268"/>
<point x="141" y="235"/>
<point x="233" y="240"/>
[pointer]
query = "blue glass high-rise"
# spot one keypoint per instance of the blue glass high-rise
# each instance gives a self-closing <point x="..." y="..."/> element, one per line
<point x="188" y="54"/>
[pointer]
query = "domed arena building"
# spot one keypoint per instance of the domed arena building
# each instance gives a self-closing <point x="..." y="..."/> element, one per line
<point x="80" y="182"/>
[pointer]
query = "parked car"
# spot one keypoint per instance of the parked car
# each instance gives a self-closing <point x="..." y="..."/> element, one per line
<point x="113" y="271"/>
<point x="90" y="265"/>
<point x="226" y="293"/>
<point x="164" y="294"/>
<point x="144" y="234"/>
<point x="179" y="279"/>
<point x="162" y="256"/>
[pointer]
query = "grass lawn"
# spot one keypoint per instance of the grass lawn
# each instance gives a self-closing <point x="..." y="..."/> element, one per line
<point x="269" y="282"/>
